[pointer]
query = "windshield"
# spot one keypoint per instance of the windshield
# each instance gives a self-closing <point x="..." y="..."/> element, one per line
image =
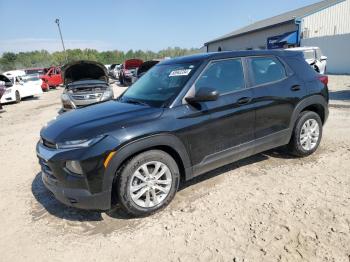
<point x="159" y="85"/>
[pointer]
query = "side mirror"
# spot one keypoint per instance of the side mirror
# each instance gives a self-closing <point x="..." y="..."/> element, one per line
<point x="204" y="94"/>
<point x="323" y="58"/>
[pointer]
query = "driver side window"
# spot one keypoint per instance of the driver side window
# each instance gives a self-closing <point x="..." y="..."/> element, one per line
<point x="225" y="76"/>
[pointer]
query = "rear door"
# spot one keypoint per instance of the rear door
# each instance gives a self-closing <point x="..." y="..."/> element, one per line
<point x="276" y="91"/>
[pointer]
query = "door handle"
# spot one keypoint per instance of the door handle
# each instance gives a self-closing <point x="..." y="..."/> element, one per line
<point x="295" y="88"/>
<point x="243" y="100"/>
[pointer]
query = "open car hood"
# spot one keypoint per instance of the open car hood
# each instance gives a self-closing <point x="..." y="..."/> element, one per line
<point x="132" y="63"/>
<point x="5" y="79"/>
<point x="84" y="70"/>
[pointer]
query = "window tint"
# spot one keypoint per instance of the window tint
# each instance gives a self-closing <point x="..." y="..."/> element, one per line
<point x="224" y="76"/>
<point x="266" y="69"/>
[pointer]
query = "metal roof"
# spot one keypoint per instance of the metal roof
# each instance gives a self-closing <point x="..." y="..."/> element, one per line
<point x="279" y="19"/>
<point x="226" y="54"/>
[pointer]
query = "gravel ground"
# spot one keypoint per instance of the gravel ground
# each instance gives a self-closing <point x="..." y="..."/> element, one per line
<point x="269" y="207"/>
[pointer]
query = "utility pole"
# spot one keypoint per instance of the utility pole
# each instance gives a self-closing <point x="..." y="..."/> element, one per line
<point x="57" y="21"/>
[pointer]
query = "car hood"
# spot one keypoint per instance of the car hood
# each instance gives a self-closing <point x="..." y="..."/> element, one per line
<point x="91" y="121"/>
<point x="84" y="70"/>
<point x="4" y="78"/>
<point x="132" y="63"/>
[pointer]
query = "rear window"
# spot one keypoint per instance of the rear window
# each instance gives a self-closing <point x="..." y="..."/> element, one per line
<point x="266" y="69"/>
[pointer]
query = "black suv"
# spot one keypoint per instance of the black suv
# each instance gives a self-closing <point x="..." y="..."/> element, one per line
<point x="184" y="117"/>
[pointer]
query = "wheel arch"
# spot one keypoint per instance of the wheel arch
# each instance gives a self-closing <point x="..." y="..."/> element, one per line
<point x="168" y="143"/>
<point x="315" y="103"/>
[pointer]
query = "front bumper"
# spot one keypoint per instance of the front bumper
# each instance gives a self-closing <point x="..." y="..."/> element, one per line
<point x="76" y="197"/>
<point x="7" y="98"/>
<point x="89" y="191"/>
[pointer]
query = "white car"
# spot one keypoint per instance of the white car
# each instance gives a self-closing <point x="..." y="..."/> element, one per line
<point x="314" y="57"/>
<point x="116" y="71"/>
<point x="19" y="85"/>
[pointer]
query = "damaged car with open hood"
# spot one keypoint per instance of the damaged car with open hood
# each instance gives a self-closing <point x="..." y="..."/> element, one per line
<point x="86" y="83"/>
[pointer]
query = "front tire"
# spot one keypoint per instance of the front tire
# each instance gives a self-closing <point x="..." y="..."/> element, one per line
<point x="306" y="135"/>
<point x="147" y="183"/>
<point x="17" y="97"/>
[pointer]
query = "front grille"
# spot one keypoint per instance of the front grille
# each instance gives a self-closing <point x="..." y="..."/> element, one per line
<point x="48" y="144"/>
<point x="86" y="96"/>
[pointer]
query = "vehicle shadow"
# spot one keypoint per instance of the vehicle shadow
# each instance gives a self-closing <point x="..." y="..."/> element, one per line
<point x="55" y="208"/>
<point x="274" y="153"/>
<point x="339" y="95"/>
<point x="30" y="98"/>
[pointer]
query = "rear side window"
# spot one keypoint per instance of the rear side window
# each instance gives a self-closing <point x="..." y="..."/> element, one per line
<point x="225" y="76"/>
<point x="266" y="69"/>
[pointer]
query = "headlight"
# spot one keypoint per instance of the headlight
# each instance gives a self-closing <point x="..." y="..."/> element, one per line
<point x="108" y="94"/>
<point x="64" y="97"/>
<point x="79" y="143"/>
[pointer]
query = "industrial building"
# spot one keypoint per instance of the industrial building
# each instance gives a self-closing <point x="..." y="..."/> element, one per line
<point x="325" y="24"/>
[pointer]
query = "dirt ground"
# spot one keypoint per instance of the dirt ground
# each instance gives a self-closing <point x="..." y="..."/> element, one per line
<point x="269" y="207"/>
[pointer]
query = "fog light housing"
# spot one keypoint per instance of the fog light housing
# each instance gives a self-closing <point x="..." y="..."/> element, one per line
<point x="74" y="167"/>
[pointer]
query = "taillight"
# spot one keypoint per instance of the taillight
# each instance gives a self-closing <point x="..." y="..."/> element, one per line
<point x="323" y="79"/>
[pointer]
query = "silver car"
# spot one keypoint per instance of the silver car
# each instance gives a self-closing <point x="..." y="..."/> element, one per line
<point x="86" y="83"/>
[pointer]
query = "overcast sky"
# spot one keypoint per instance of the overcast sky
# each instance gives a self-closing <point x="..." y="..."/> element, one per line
<point x="138" y="24"/>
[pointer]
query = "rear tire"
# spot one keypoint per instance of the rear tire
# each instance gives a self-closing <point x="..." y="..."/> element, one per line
<point x="147" y="183"/>
<point x="18" y="97"/>
<point x="307" y="134"/>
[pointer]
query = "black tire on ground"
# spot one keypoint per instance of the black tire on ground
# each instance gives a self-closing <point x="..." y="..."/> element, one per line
<point x="18" y="97"/>
<point x="124" y="176"/>
<point x="294" y="147"/>
<point x="121" y="81"/>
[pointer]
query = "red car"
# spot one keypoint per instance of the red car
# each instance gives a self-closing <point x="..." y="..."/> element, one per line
<point x="51" y="79"/>
<point x="128" y="70"/>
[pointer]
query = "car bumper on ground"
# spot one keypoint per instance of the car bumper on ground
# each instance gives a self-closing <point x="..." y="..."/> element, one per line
<point x="45" y="86"/>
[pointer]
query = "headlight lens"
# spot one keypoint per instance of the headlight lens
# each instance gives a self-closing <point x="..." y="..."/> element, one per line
<point x="108" y="94"/>
<point x="64" y="97"/>
<point x="79" y="143"/>
<point x="74" y="167"/>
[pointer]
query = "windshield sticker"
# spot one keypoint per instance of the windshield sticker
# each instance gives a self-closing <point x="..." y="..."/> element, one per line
<point x="181" y="72"/>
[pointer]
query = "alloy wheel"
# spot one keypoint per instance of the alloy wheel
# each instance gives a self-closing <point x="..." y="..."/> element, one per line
<point x="150" y="184"/>
<point x="309" y="134"/>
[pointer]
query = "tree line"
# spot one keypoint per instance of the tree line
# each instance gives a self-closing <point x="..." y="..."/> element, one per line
<point x="43" y="58"/>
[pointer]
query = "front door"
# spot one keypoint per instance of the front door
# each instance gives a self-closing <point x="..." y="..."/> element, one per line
<point x="227" y="123"/>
